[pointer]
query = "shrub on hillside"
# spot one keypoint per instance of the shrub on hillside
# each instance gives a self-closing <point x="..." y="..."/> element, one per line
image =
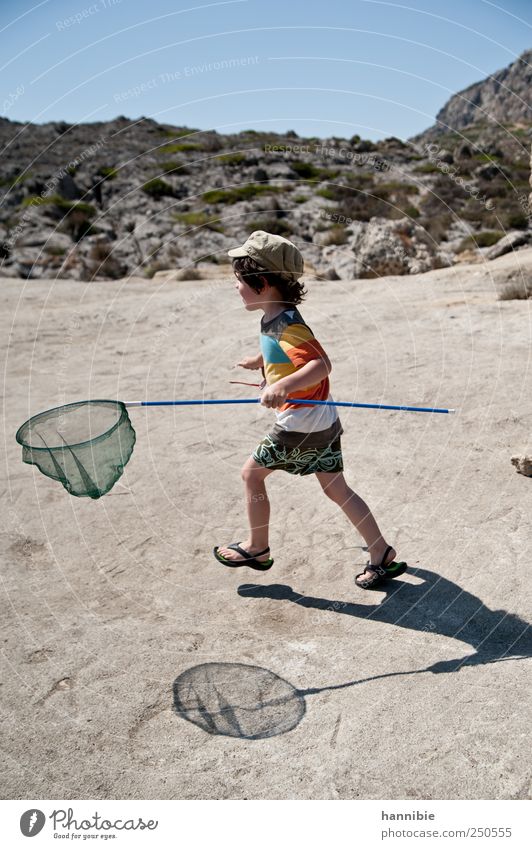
<point x="158" y="188"/>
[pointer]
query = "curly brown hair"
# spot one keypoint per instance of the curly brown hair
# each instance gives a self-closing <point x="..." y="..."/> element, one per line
<point x="291" y="291"/>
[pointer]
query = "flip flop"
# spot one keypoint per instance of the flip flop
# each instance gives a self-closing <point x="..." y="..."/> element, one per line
<point x="249" y="559"/>
<point x="380" y="572"/>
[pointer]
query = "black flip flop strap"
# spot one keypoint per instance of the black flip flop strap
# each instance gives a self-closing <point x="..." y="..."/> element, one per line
<point x="374" y="567"/>
<point x="235" y="546"/>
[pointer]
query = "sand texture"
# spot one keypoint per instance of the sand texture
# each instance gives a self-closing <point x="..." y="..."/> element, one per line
<point x="307" y="686"/>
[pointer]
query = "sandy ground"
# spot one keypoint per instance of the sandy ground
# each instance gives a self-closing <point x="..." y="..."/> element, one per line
<point x="418" y="692"/>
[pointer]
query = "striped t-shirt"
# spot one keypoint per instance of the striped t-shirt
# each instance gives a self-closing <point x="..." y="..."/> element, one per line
<point x="287" y="344"/>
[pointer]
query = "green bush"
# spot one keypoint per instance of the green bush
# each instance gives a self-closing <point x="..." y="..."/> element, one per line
<point x="308" y="171"/>
<point x="173" y="165"/>
<point x="182" y="132"/>
<point x="198" y="219"/>
<point x="426" y="168"/>
<point x="234" y="195"/>
<point x="351" y="185"/>
<point x="202" y="141"/>
<point x="60" y="203"/>
<point x="75" y="213"/>
<point x="487" y="157"/>
<point x="35" y="200"/>
<point x="277" y="226"/>
<point x="484" y="239"/>
<point x="235" y="158"/>
<point x="108" y="173"/>
<point x="327" y="193"/>
<point x="54" y="251"/>
<point x="359" y="180"/>
<point x="518" y="221"/>
<point x="158" y="188"/>
<point x="305" y="170"/>
<point x="15" y="181"/>
<point x="180" y="147"/>
<point x="396" y="186"/>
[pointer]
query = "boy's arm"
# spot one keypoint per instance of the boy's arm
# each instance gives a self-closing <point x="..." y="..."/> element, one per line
<point x="308" y="375"/>
<point x="252" y="362"/>
<point x="327" y="360"/>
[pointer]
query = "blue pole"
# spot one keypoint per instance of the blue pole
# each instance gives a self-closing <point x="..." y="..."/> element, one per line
<point x="402" y="408"/>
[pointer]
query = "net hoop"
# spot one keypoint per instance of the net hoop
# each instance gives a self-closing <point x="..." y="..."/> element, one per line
<point x="38" y="416"/>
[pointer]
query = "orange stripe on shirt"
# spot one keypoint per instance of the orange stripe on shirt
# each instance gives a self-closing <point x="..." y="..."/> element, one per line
<point x="317" y="392"/>
<point x="304" y="352"/>
<point x="300" y="355"/>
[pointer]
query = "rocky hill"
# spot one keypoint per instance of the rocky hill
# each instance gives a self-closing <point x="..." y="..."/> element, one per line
<point x="502" y="98"/>
<point x="129" y="197"/>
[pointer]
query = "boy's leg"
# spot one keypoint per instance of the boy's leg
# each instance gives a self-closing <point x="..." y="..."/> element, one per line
<point x="258" y="508"/>
<point x="335" y="486"/>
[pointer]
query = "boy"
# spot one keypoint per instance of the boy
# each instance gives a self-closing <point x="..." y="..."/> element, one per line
<point x="306" y="437"/>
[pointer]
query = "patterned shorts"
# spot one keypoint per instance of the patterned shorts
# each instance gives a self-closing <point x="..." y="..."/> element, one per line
<point x="299" y="461"/>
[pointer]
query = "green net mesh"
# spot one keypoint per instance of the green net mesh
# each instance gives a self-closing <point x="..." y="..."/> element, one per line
<point x="84" y="445"/>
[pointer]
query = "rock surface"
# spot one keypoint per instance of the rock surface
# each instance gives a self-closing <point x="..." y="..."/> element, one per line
<point x="111" y="602"/>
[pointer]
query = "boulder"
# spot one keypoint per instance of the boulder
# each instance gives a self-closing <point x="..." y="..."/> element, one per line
<point x="43" y="237"/>
<point x="508" y="243"/>
<point x="523" y="464"/>
<point x="382" y="247"/>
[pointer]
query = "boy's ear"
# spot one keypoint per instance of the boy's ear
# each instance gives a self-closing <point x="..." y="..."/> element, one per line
<point x="264" y="280"/>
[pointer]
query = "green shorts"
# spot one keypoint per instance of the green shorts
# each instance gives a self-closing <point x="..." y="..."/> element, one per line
<point x="299" y="460"/>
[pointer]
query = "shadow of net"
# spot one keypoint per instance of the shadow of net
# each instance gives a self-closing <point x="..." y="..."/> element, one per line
<point x="237" y="700"/>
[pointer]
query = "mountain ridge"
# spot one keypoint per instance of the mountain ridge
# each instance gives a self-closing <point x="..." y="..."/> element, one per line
<point x="498" y="98"/>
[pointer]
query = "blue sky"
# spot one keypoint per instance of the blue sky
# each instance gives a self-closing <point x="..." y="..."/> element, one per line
<point x="320" y="68"/>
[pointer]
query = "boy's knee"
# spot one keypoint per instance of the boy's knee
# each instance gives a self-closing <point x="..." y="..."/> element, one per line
<point x="249" y="474"/>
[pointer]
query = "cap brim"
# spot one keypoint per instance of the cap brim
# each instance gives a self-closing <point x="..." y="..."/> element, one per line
<point x="237" y="252"/>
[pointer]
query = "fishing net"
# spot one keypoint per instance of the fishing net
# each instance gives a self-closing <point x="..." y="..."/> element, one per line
<point x="84" y="445"/>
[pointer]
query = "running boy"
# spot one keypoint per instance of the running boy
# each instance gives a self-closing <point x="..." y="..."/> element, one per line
<point x="305" y="439"/>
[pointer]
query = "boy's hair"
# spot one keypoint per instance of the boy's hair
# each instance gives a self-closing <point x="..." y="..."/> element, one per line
<point x="291" y="291"/>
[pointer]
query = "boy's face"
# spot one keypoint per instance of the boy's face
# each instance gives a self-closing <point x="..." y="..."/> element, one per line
<point x="252" y="300"/>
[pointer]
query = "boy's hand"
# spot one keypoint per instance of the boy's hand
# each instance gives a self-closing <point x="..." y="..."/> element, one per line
<point x="251" y="362"/>
<point x="274" y="395"/>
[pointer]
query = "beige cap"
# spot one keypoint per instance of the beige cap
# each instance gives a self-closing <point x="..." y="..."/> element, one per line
<point x="274" y="253"/>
